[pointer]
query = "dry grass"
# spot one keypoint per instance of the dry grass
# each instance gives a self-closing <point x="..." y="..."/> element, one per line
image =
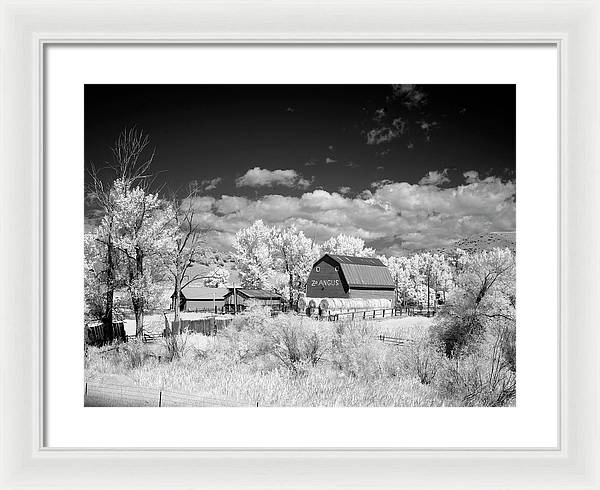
<point x="291" y="361"/>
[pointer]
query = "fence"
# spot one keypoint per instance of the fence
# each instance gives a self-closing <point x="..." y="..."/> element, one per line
<point x="112" y="395"/>
<point x="363" y="314"/>
<point x="97" y="334"/>
<point x="394" y="340"/>
<point x="206" y="326"/>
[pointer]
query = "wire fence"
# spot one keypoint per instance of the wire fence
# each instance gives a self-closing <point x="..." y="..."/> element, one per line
<point x="113" y="395"/>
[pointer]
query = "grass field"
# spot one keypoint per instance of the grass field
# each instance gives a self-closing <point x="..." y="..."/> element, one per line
<point x="291" y="360"/>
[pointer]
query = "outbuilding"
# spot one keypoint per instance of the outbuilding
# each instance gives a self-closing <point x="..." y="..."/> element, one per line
<point x="344" y="276"/>
<point x="200" y="299"/>
<point x="245" y="298"/>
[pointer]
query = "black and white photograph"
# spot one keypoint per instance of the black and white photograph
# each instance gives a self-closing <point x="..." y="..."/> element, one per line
<point x="300" y="245"/>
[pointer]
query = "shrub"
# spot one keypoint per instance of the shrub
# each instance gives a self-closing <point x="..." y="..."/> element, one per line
<point x="176" y="345"/>
<point x="135" y="352"/>
<point x="483" y="377"/>
<point x="423" y="359"/>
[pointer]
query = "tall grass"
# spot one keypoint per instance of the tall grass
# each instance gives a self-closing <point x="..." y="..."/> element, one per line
<point x="292" y="360"/>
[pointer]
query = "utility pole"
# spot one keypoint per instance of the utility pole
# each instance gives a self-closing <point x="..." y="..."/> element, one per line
<point x="235" y="299"/>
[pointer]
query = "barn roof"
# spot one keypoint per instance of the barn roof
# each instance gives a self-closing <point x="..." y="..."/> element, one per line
<point x="365" y="272"/>
<point x="258" y="294"/>
<point x="198" y="293"/>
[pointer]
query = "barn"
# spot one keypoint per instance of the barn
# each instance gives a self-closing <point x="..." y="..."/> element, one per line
<point x="344" y="276"/>
<point x="247" y="297"/>
<point x="200" y="298"/>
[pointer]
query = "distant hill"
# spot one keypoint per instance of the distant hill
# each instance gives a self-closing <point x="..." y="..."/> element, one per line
<point x="484" y="241"/>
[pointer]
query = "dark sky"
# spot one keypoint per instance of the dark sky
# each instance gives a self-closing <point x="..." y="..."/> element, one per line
<point x="204" y="131"/>
<point x="328" y="137"/>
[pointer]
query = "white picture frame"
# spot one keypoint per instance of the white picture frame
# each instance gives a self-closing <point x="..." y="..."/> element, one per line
<point x="574" y="27"/>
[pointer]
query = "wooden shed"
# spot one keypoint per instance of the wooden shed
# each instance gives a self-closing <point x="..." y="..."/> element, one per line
<point x="200" y="298"/>
<point x="344" y="276"/>
<point x="245" y="298"/>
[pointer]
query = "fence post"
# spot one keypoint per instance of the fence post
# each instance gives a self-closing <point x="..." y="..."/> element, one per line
<point x="257" y="404"/>
<point x="384" y="313"/>
<point x="373" y="313"/>
<point x="160" y="398"/>
<point x="86" y="388"/>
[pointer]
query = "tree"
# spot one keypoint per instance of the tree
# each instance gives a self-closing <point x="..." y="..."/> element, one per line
<point x="144" y="236"/>
<point x="483" y="296"/>
<point x="347" y="245"/>
<point x="217" y="278"/>
<point x="294" y="254"/>
<point x="131" y="160"/>
<point x="399" y="268"/>
<point x="436" y="272"/>
<point x="187" y="243"/>
<point x="253" y="255"/>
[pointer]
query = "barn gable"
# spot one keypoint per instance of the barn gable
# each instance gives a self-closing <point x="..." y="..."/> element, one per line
<point x="343" y="276"/>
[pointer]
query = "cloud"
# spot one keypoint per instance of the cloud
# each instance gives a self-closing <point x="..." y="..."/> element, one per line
<point x="435" y="177"/>
<point x="262" y="177"/>
<point x="330" y="147"/>
<point x="471" y="176"/>
<point x="352" y="164"/>
<point x="427" y="127"/>
<point x="211" y="184"/>
<point x="310" y="163"/>
<point x="330" y="160"/>
<point x="385" y="134"/>
<point x="395" y="217"/>
<point x="379" y="115"/>
<point x="411" y="96"/>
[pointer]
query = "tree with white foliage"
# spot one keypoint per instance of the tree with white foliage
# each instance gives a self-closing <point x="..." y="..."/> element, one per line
<point x="144" y="236"/>
<point x="399" y="268"/>
<point x="132" y="157"/>
<point x="294" y="254"/>
<point x="254" y="256"/>
<point x="347" y="245"/>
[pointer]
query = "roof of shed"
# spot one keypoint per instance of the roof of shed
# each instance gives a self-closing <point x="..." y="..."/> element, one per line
<point x="258" y="294"/>
<point x="196" y="293"/>
<point x="366" y="272"/>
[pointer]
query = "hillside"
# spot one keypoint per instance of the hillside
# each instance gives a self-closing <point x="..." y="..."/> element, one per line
<point x="483" y="241"/>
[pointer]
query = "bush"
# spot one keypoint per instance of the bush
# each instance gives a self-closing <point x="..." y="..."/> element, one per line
<point x="423" y="359"/>
<point x="289" y="341"/>
<point x="485" y="376"/>
<point x="135" y="352"/>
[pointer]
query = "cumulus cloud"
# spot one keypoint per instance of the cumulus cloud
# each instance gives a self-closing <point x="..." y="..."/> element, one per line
<point x="344" y="190"/>
<point x="435" y="177"/>
<point x="393" y="216"/>
<point x="471" y="176"/>
<point x="262" y="177"/>
<point x="330" y="160"/>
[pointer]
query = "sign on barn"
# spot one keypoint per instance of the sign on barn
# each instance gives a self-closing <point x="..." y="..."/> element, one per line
<point x="343" y="276"/>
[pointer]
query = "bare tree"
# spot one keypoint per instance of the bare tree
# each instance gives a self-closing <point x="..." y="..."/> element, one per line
<point x="188" y="244"/>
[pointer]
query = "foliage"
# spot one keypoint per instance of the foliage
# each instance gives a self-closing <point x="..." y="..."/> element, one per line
<point x="217" y="278"/>
<point x="294" y="254"/>
<point x="253" y="255"/>
<point x="347" y="245"/>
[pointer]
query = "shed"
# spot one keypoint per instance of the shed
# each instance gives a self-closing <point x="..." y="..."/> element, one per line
<point x="248" y="297"/>
<point x="200" y="298"/>
<point x="344" y="276"/>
